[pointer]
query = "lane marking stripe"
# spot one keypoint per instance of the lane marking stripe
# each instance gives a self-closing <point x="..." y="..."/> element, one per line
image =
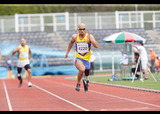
<point x="7" y="97"/>
<point x="60" y="97"/>
<point x="110" y="95"/>
<point x="125" y="98"/>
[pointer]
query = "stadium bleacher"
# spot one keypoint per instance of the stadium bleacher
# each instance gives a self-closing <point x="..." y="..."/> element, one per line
<point x="99" y="34"/>
<point x="35" y="38"/>
<point x="157" y="29"/>
<point x="49" y="42"/>
<point x="38" y="40"/>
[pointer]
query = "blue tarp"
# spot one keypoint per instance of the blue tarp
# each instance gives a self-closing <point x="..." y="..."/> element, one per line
<point x="7" y="47"/>
<point x="3" y="72"/>
<point x="55" y="70"/>
<point x="38" y="71"/>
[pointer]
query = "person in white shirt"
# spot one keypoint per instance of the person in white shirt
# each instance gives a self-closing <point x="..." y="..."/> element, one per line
<point x="92" y="60"/>
<point x="143" y="56"/>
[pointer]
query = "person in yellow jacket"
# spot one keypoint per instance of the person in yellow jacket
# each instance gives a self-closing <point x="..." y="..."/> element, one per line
<point x="23" y="60"/>
<point x="83" y="43"/>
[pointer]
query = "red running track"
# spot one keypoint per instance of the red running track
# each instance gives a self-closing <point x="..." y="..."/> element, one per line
<point x="58" y="94"/>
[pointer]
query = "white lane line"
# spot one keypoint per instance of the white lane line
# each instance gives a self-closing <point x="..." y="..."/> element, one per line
<point x="125" y="98"/>
<point x="126" y="109"/>
<point x="111" y="95"/>
<point x="7" y="97"/>
<point x="60" y="97"/>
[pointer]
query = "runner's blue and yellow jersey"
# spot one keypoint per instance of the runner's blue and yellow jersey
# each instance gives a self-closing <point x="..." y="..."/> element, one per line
<point x="83" y="48"/>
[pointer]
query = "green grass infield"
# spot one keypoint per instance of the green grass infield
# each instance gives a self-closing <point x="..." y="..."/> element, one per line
<point x="147" y="84"/>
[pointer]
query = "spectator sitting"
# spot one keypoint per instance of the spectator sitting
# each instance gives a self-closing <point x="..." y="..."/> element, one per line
<point x="136" y="55"/>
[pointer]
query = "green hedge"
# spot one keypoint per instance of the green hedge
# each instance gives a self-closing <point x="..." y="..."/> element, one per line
<point x="11" y="9"/>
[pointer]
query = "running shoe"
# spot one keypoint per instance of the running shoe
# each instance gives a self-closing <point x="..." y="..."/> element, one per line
<point x="141" y="79"/>
<point x="85" y="85"/>
<point x="29" y="84"/>
<point x="20" y="79"/>
<point x="77" y="87"/>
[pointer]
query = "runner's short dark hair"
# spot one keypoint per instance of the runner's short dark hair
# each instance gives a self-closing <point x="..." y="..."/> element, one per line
<point x="136" y="54"/>
<point x="141" y="43"/>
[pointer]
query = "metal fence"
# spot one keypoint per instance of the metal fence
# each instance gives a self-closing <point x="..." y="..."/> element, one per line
<point x="51" y="22"/>
<point x="141" y="19"/>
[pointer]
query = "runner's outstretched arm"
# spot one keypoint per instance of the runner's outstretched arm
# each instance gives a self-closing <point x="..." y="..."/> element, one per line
<point x="92" y="40"/>
<point x="16" y="50"/>
<point x="70" y="45"/>
<point x="30" y="54"/>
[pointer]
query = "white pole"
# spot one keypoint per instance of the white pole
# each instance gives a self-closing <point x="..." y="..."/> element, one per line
<point x="142" y="20"/>
<point x="100" y="61"/>
<point x="54" y="23"/>
<point x="67" y="20"/>
<point x="130" y="24"/>
<point x="42" y="22"/>
<point x="117" y="19"/>
<point x="22" y="25"/>
<point x="16" y="23"/>
<point x="2" y="25"/>
<point x="120" y="22"/>
<point x="29" y="23"/>
<point x="153" y="17"/>
<point x="75" y="20"/>
<point x="96" y="20"/>
<point x="113" y="64"/>
<point x="136" y="8"/>
<point x="151" y="74"/>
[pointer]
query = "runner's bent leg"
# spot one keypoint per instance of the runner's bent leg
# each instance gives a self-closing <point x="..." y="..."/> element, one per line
<point x="29" y="75"/>
<point x="19" y="75"/>
<point x="28" y="69"/>
<point x="80" y="66"/>
<point x="19" y="70"/>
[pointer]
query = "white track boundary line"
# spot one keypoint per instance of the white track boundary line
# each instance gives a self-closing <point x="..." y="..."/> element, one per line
<point x="59" y="97"/>
<point x="125" y="98"/>
<point x="112" y="95"/>
<point x="7" y="97"/>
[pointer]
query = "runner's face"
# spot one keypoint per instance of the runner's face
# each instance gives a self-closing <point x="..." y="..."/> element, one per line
<point x="23" y="42"/>
<point x="136" y="57"/>
<point x="82" y="30"/>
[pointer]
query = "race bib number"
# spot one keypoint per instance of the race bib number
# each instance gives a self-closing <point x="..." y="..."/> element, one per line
<point x="82" y="48"/>
<point x="23" y="55"/>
